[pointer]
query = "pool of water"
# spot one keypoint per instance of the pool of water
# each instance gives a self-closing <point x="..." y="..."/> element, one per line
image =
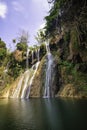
<point x="43" y="114"/>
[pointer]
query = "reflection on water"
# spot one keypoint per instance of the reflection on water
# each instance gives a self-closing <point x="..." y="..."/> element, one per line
<point x="43" y="114"/>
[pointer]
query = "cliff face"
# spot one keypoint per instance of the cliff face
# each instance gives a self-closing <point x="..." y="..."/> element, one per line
<point x="72" y="63"/>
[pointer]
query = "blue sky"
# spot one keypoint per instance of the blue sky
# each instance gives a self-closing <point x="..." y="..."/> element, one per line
<point x="16" y="15"/>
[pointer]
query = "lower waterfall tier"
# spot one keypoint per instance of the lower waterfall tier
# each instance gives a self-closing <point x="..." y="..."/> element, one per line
<point x="32" y="82"/>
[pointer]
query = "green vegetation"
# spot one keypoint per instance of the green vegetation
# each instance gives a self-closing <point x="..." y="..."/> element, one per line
<point x="21" y="46"/>
<point x="2" y="51"/>
<point x="66" y="26"/>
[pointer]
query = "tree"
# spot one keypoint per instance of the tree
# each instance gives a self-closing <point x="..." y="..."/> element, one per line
<point x="3" y="50"/>
<point x="40" y="36"/>
<point x="23" y="37"/>
<point x="66" y="13"/>
<point x="22" y="41"/>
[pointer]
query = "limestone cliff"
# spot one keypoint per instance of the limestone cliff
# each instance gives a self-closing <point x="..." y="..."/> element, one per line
<point x="72" y="65"/>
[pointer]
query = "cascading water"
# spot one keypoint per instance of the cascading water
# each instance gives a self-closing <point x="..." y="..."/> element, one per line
<point x="38" y="54"/>
<point x="31" y="80"/>
<point x="24" y="85"/>
<point x="48" y="82"/>
<point x="34" y="67"/>
<point x="27" y="61"/>
<point x="16" y="94"/>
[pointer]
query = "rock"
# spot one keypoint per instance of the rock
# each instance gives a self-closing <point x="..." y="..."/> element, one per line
<point x="18" y="55"/>
<point x="37" y="87"/>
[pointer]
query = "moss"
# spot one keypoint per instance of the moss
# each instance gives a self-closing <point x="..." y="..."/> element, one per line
<point x="74" y="40"/>
<point x="67" y="37"/>
<point x="42" y="50"/>
<point x="71" y="74"/>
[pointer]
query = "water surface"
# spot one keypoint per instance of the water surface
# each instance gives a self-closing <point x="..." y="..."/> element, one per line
<point x="43" y="114"/>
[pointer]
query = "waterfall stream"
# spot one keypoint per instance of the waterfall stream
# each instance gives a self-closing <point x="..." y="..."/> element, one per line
<point x="32" y="78"/>
<point x="48" y="82"/>
<point x="27" y="61"/>
<point x="18" y="89"/>
<point x="24" y="85"/>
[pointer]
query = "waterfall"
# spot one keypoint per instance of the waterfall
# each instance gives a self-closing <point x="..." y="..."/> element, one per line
<point x="47" y="48"/>
<point x="32" y="78"/>
<point x="18" y="89"/>
<point x="27" y="61"/>
<point x="24" y="85"/>
<point x="37" y="54"/>
<point x="48" y="82"/>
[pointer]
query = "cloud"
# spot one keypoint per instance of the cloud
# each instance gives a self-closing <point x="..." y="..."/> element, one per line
<point x="3" y="10"/>
<point x="17" y="6"/>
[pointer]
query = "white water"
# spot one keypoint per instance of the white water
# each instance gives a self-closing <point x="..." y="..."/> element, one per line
<point x="25" y="84"/>
<point x="47" y="92"/>
<point x="37" y="52"/>
<point x="17" y="91"/>
<point x="27" y="61"/>
<point x="32" y="78"/>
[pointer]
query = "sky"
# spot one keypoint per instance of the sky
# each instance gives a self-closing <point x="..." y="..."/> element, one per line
<point x="17" y="15"/>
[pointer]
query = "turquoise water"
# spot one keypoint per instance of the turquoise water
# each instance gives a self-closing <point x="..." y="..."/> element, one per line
<point x="43" y="114"/>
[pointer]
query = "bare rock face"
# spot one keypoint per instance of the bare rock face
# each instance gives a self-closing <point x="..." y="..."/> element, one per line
<point x="37" y="87"/>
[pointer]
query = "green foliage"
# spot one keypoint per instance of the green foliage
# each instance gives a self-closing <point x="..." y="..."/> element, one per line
<point x="40" y="37"/>
<point x="53" y="19"/>
<point x="67" y="37"/>
<point x="69" y="66"/>
<point x="15" y="68"/>
<point x="42" y="50"/>
<point x="74" y="39"/>
<point x="72" y="75"/>
<point x="67" y="13"/>
<point x="21" y="46"/>
<point x="2" y="51"/>
<point x="80" y="80"/>
<point x="2" y="44"/>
